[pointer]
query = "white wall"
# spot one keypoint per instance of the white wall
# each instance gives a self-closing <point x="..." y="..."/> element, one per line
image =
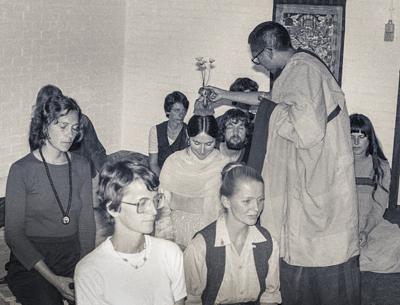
<point x="162" y="40"/>
<point x="119" y="58"/>
<point x="76" y="45"/>
<point x="164" y="37"/>
<point x="371" y="66"/>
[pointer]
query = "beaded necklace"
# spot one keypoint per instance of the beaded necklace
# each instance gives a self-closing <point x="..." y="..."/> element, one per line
<point x="144" y="260"/>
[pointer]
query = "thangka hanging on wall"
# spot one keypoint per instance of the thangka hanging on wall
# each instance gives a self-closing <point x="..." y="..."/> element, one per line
<point x="317" y="26"/>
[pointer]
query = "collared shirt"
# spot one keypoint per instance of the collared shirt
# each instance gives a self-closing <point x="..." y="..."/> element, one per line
<point x="240" y="282"/>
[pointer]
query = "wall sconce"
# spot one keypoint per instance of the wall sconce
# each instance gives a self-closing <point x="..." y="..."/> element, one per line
<point x="389" y="27"/>
<point x="389" y="31"/>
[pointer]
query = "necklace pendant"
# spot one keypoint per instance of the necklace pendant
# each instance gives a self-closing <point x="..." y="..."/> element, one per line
<point x="65" y="220"/>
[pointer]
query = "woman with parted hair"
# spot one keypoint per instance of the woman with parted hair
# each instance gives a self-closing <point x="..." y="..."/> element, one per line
<point x="379" y="239"/>
<point x="88" y="146"/>
<point x="234" y="260"/>
<point x="49" y="221"/>
<point x="190" y="179"/>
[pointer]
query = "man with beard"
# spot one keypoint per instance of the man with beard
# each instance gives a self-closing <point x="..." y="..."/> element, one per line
<point x="235" y="130"/>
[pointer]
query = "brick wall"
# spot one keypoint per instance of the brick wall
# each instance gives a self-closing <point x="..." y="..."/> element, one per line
<point x="76" y="45"/>
<point x="371" y="65"/>
<point x="162" y="40"/>
<point x="164" y="37"/>
<point x="103" y="52"/>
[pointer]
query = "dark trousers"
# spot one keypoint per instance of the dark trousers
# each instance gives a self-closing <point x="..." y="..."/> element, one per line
<point x="333" y="285"/>
<point x="60" y="254"/>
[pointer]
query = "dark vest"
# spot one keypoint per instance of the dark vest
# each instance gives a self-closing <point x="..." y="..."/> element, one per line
<point x="215" y="262"/>
<point x="164" y="149"/>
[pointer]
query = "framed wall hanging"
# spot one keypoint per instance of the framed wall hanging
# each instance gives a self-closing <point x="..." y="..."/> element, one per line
<point x="317" y="26"/>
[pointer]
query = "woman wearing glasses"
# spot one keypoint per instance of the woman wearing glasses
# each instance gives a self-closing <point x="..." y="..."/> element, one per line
<point x="234" y="260"/>
<point x="131" y="267"/>
<point x="190" y="179"/>
<point x="49" y="208"/>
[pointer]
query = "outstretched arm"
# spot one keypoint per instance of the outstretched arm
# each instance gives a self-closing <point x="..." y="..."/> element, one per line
<point x="249" y="98"/>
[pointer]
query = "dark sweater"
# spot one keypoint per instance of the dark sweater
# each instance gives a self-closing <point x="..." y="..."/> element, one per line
<point x="32" y="210"/>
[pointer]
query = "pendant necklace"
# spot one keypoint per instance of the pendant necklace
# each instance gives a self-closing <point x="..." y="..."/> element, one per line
<point x="144" y="260"/>
<point x="65" y="219"/>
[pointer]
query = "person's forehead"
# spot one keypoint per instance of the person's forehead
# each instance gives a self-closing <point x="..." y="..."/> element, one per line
<point x="357" y="133"/>
<point x="177" y="106"/>
<point x="248" y="187"/>
<point x="137" y="189"/>
<point x="235" y="122"/>
<point x="70" y="117"/>
<point x="203" y="138"/>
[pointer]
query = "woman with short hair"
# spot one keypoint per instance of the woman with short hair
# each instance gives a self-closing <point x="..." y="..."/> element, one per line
<point x="131" y="267"/>
<point x="168" y="136"/>
<point x="49" y="221"/>
<point x="234" y="260"/>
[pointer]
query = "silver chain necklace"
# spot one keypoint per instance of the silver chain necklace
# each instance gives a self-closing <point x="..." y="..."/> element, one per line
<point x="144" y="260"/>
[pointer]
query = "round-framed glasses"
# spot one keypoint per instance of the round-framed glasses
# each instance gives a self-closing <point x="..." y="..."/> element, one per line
<point x="144" y="203"/>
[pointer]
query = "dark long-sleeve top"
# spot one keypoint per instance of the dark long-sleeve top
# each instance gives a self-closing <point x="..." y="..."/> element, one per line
<point x="32" y="210"/>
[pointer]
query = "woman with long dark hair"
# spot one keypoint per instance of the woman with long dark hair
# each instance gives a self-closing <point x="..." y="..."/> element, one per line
<point x="379" y="239"/>
<point x="190" y="179"/>
<point x="49" y="221"/>
<point x="88" y="146"/>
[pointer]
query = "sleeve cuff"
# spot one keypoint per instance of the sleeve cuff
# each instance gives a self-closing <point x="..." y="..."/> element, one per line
<point x="274" y="297"/>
